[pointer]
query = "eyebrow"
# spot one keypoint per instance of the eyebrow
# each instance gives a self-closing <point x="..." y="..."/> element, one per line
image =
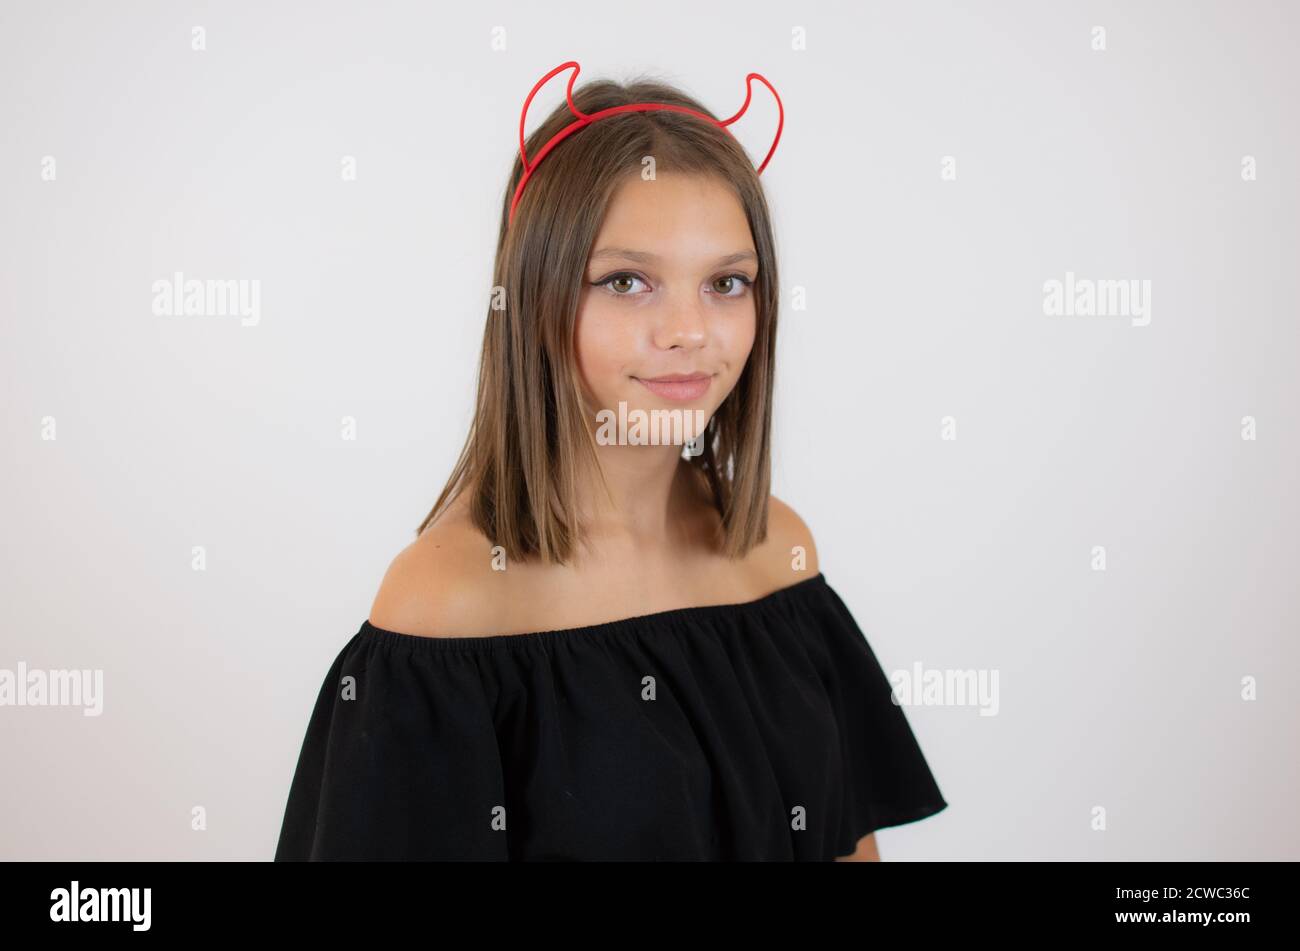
<point x="646" y="257"/>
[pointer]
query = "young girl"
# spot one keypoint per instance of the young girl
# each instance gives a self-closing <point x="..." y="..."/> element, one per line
<point x="602" y="646"/>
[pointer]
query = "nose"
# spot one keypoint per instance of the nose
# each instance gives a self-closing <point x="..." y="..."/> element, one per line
<point x="683" y="324"/>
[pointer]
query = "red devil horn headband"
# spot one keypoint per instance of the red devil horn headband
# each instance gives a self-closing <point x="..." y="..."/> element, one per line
<point x="583" y="120"/>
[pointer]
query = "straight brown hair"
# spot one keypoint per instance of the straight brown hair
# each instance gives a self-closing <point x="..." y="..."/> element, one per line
<point x="530" y="440"/>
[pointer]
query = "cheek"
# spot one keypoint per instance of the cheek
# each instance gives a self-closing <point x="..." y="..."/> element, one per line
<point x="603" y="345"/>
<point x="735" y="337"/>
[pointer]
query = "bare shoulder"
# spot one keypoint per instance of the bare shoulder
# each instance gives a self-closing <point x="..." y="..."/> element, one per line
<point x="438" y="586"/>
<point x="789" y="552"/>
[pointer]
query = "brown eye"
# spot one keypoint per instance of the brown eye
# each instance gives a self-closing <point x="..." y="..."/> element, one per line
<point x="733" y="285"/>
<point x="621" y="279"/>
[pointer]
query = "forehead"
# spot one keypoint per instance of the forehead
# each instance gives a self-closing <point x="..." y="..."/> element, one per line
<point x="675" y="216"/>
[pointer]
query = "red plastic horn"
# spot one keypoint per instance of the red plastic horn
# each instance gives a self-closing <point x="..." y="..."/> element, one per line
<point x="583" y="120"/>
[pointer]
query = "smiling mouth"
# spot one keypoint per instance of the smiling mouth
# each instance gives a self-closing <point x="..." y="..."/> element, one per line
<point x="679" y="387"/>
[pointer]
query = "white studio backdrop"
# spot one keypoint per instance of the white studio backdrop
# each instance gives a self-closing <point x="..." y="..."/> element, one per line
<point x="1090" y="513"/>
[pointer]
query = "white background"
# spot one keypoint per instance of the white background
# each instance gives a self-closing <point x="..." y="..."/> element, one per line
<point x="1119" y="689"/>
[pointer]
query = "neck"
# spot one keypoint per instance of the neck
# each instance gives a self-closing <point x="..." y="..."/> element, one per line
<point x="649" y="493"/>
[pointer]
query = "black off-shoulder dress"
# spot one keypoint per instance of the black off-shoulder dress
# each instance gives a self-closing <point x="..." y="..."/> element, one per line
<point x="763" y="730"/>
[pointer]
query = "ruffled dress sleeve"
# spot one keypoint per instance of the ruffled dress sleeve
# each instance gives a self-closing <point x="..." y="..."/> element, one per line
<point x="398" y="763"/>
<point x="886" y="779"/>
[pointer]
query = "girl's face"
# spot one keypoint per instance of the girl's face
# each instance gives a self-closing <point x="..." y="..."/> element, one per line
<point x="667" y="293"/>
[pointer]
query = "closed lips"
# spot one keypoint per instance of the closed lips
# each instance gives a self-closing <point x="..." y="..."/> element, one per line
<point x="681" y="387"/>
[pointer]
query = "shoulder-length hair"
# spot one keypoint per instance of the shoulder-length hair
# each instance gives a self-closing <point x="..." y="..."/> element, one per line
<point x="529" y="437"/>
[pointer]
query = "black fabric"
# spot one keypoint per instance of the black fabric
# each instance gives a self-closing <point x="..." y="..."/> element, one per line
<point x="771" y="735"/>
